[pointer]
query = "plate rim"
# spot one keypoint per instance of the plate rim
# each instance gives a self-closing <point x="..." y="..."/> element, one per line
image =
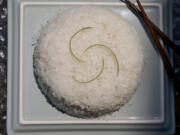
<point x="10" y="64"/>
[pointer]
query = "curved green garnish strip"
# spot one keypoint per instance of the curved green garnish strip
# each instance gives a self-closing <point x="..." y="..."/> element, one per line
<point x="70" y="43"/>
<point x="102" y="68"/>
<point x="114" y="55"/>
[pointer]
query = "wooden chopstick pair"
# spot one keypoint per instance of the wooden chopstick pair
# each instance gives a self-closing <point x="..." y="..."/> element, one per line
<point x="154" y="31"/>
<point x="168" y="42"/>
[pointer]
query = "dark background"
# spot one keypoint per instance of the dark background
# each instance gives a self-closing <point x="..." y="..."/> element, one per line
<point x="3" y="62"/>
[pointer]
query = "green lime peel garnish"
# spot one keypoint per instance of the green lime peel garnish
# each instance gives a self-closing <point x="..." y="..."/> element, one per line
<point x="110" y="50"/>
<point x="102" y="68"/>
<point x="70" y="43"/>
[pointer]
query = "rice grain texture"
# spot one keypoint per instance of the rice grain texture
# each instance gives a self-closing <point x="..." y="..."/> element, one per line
<point x="54" y="65"/>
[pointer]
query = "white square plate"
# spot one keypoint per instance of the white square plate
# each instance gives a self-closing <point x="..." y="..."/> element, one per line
<point x="148" y="108"/>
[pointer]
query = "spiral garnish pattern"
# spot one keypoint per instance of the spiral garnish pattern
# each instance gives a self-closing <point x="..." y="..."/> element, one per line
<point x="87" y="49"/>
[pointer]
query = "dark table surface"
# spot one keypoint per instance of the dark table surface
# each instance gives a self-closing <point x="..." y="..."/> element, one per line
<point x="3" y="61"/>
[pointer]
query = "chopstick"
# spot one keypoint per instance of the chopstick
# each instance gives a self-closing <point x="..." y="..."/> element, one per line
<point x="159" y="46"/>
<point x="169" y="42"/>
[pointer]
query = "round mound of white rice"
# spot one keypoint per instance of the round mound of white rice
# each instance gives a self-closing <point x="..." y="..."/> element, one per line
<point x="55" y="66"/>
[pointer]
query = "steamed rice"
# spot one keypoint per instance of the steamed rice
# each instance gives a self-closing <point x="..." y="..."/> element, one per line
<point x="54" y="65"/>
